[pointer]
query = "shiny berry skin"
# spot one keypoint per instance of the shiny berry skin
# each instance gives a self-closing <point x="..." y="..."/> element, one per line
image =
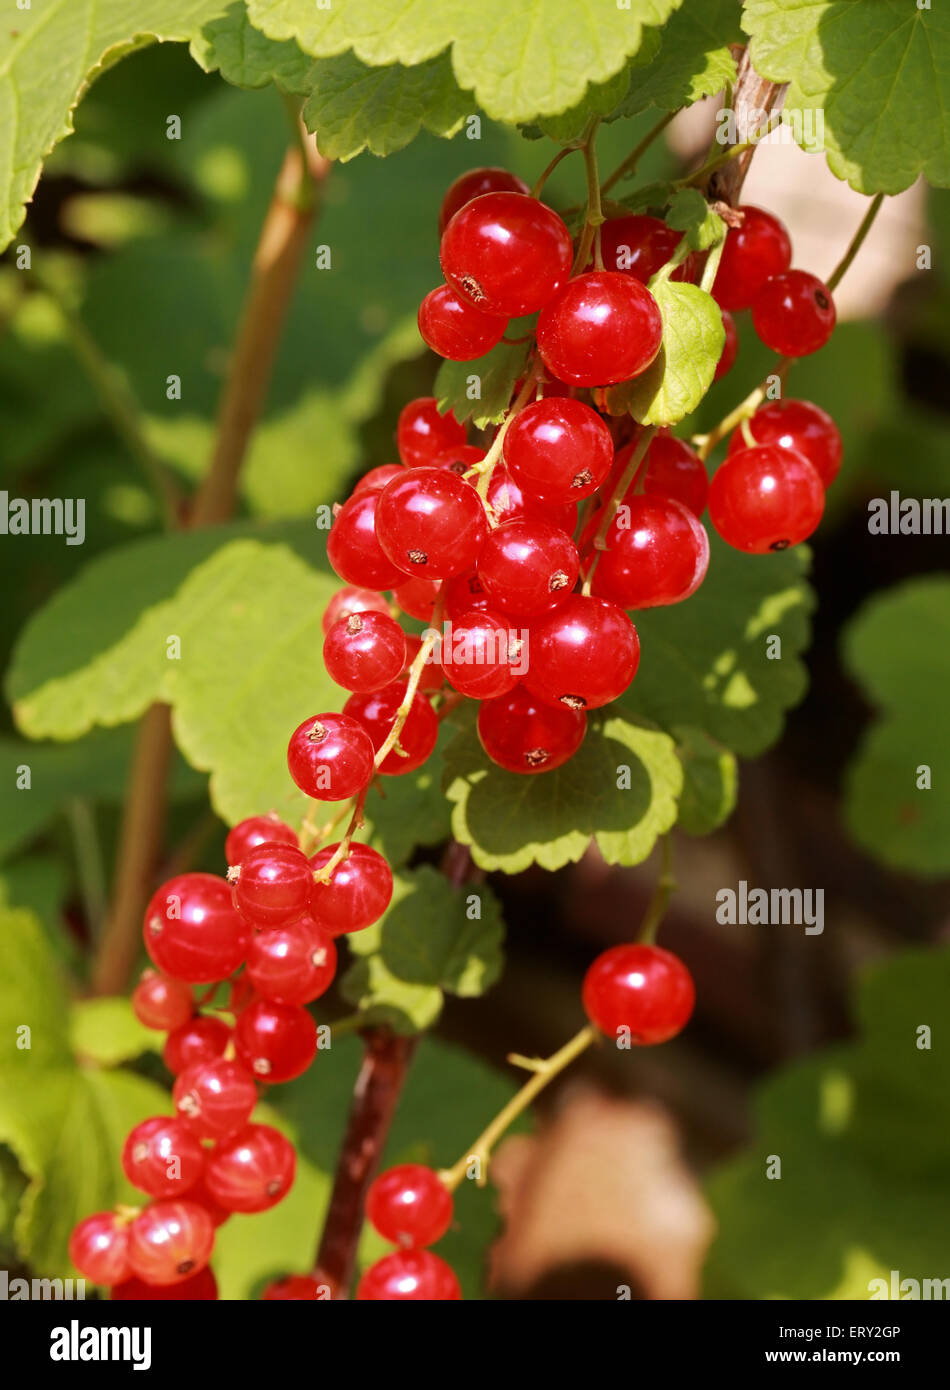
<point x="252" y="1170"/>
<point x="672" y="469"/>
<point x="169" y="1241"/>
<point x="422" y="433"/>
<point x="298" y="1288"/>
<point x="528" y="566"/>
<point x="460" y="459"/>
<point x="797" y="425"/>
<point x="192" y="930"/>
<point x="558" y="449"/>
<point x="643" y="988"/>
<point x="216" y="1098"/>
<point x="752" y="252"/>
<point x="409" y="1205"/>
<point x="199" y="1040"/>
<point x="163" y="1157"/>
<point x="464" y="594"/>
<point x="472" y="184"/>
<point x="351" y="600"/>
<point x="377" y="478"/>
<point x="201" y="1287"/>
<point x="640" y="245"/>
<point x="417" y="598"/>
<point x="730" y="347"/>
<point x="330" y="757"/>
<point x="254" y="831"/>
<point x="583" y="655"/>
<point x="353" y="547"/>
<point x="271" y="884"/>
<point x="160" y="1002"/>
<point x="294" y="964"/>
<point x="523" y="734"/>
<point x="478" y="654"/>
<point x="200" y="1194"/>
<point x="509" y="503"/>
<point x="766" y="498"/>
<point x="409" y="1275"/>
<point x="359" y="890"/>
<point x="364" y="651"/>
<point x="657" y="556"/>
<point x="377" y="714"/>
<point x="507" y="253"/>
<point x="430" y="522"/>
<point x="794" y="313"/>
<point x="601" y="328"/>
<point x="431" y="677"/>
<point x="99" y="1248"/>
<point x="274" y="1041"/>
<point x="454" y="328"/>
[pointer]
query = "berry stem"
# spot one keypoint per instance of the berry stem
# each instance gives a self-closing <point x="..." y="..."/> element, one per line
<point x="595" y="214"/>
<point x="856" y="243"/>
<point x="705" y="443"/>
<point x="550" y="167"/>
<point x="433" y="634"/>
<point x="699" y="177"/>
<point x="665" y="887"/>
<point x="543" y="1070"/>
<point x="628" y="167"/>
<point x="485" y="469"/>
<point x="615" y="499"/>
<point x="312" y="835"/>
<point x="343" y="848"/>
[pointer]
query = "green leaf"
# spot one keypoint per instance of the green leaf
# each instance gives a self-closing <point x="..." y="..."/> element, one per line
<point x="856" y="74"/>
<point x="353" y="107"/>
<point x="107" y="1032"/>
<point x="381" y="997"/>
<point x="480" y="390"/>
<point x="862" y="1186"/>
<point x="520" y="64"/>
<point x="693" y="60"/>
<point x="413" y="811"/>
<point x="691" y="214"/>
<point x="48" y="55"/>
<point x="896" y="647"/>
<point x="246" y="58"/>
<point x="600" y="99"/>
<point x="706" y="663"/>
<point x="511" y="821"/>
<point x="682" y="371"/>
<point x="427" y="936"/>
<point x="709" y="782"/>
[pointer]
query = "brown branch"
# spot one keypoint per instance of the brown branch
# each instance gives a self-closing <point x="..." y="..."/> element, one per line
<point x="753" y="99"/>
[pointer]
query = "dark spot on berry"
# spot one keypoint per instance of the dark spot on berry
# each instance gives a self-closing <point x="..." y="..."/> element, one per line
<point x="318" y="733"/>
<point x="354" y="623"/>
<point x="559" y="580"/>
<point x="822" y="300"/>
<point x="186" y="1266"/>
<point x="779" y="545"/>
<point x="274" y="1186"/>
<point x="472" y="288"/>
<point x="536" y="757"/>
<point x="573" y="701"/>
<point x="417" y="557"/>
<point x="582" y="479"/>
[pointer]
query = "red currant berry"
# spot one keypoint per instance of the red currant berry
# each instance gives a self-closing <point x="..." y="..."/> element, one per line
<point x="201" y="1287"/>
<point x="216" y="1098"/>
<point x="410" y="1205"/>
<point x="794" y="313"/>
<point x="294" y="964"/>
<point x="256" y="830"/>
<point x="523" y="734"/>
<point x="377" y="714"/>
<point x="277" y="1042"/>
<point x="422" y="433"/>
<point x="364" y="651"/>
<point x="252" y="1170"/>
<point x="509" y="503"/>
<point x="299" y="1288"/>
<point x="641" y="988"/>
<point x="473" y="184"/>
<point x="200" y="1194"/>
<point x="639" y="245"/>
<point x="671" y="469"/>
<point x="432" y="677"/>
<point x="359" y="890"/>
<point x="431" y="522"/>
<point x="507" y="253"/>
<point x="480" y="655"/>
<point x="460" y="460"/>
<point x="200" y="1040"/>
<point x="162" y="1157"/>
<point x="752" y="252"/>
<point x="353" y="547"/>
<point x="559" y="449"/>
<point x="351" y="600"/>
<point x="602" y="327"/>
<point x="417" y="598"/>
<point x="192" y="930"/>
<point x="377" y="478"/>
<point x="797" y="425"/>
<point x="99" y="1248"/>
<point x="409" y="1275"/>
<point x="766" y="498"/>
<point x="583" y="655"/>
<point x="454" y="328"/>
<point x="330" y="757"/>
<point x="730" y="347"/>
<point x="161" y="1003"/>
<point x="657" y="553"/>
<point x="271" y="885"/>
<point x="464" y="594"/>
<point x="169" y="1241"/>
<point x="527" y="566"/>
